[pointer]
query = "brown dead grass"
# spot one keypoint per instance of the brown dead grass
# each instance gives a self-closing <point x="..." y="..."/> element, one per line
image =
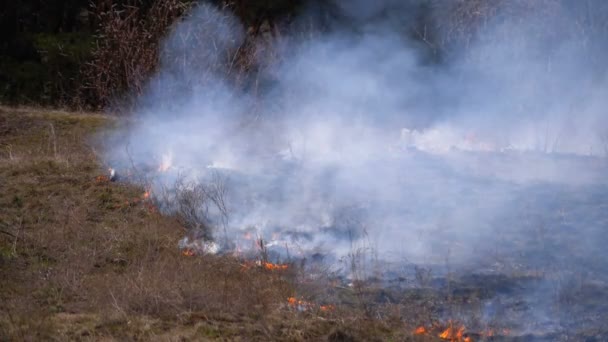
<point x="76" y="264"/>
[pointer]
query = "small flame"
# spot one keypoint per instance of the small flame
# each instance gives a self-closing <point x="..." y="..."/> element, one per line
<point x="102" y="179"/>
<point x="456" y="333"/>
<point x="188" y="252"/>
<point x="165" y="163"/>
<point x="327" y="308"/>
<point x="420" y="331"/>
<point x="265" y="265"/>
<point x="302" y="305"/>
<point x="146" y="195"/>
<point x="452" y="334"/>
<point x="274" y="267"/>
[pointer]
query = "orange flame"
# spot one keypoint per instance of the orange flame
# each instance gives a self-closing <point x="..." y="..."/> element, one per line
<point x="303" y="305"/>
<point x="298" y="303"/>
<point x="188" y="252"/>
<point x="452" y="334"/>
<point x="102" y="179"/>
<point x="420" y="331"/>
<point x="456" y="333"/>
<point x="294" y="302"/>
<point x="326" y="308"/>
<point x="274" y="267"/>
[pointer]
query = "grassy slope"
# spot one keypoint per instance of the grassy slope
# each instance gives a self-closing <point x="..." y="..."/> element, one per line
<point x="77" y="263"/>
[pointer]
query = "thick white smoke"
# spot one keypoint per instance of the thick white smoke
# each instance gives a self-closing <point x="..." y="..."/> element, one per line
<point x="352" y="137"/>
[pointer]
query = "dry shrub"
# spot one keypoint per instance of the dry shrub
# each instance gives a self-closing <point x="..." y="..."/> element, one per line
<point x="170" y="286"/>
<point x="462" y="23"/>
<point x="127" y="50"/>
<point x="73" y="245"/>
<point x="195" y="44"/>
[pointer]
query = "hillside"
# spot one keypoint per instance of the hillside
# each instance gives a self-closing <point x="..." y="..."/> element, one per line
<point x="416" y="170"/>
<point x="86" y="259"/>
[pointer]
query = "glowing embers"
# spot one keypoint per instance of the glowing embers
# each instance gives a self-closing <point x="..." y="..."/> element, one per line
<point x="454" y="334"/>
<point x="111" y="176"/>
<point x="450" y="333"/>
<point x="274" y="267"/>
<point x="327" y="308"/>
<point x="188" y="252"/>
<point x="302" y="305"/>
<point x="102" y="179"/>
<point x="458" y="333"/>
<point x="299" y="304"/>
<point x="264" y="265"/>
<point x="145" y="199"/>
<point x="420" y="331"/>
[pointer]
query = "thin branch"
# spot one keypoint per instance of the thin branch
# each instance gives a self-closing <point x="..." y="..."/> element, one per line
<point x="9" y="234"/>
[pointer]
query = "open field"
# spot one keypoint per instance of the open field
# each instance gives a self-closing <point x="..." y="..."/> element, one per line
<point x="87" y="259"/>
<point x="79" y="262"/>
<point x="286" y="170"/>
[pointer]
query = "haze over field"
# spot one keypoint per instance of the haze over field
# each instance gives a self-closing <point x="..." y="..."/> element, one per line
<point x="304" y="170"/>
<point x="358" y="136"/>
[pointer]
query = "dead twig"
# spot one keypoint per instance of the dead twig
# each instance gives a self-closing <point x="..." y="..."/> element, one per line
<point x="7" y="233"/>
<point x="53" y="139"/>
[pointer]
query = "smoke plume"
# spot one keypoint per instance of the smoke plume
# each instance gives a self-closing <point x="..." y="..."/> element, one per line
<point x="398" y="127"/>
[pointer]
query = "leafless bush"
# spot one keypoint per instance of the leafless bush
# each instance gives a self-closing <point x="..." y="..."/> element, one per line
<point x="133" y="42"/>
<point x="199" y="204"/>
<point x="192" y="206"/>
<point x="461" y="23"/>
<point x="127" y="50"/>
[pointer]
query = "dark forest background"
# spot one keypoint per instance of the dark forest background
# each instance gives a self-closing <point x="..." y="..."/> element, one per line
<point x="52" y="51"/>
<point x="92" y="55"/>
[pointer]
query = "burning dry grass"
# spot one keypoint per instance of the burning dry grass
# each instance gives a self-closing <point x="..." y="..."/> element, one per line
<point x="83" y="257"/>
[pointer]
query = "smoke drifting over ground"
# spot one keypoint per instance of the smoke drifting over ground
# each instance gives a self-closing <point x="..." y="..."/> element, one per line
<point x="360" y="136"/>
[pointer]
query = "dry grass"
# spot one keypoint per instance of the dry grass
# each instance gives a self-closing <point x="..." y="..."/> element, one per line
<point x="78" y="264"/>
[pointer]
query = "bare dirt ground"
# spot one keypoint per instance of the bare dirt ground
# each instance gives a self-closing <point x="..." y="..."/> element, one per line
<point x="83" y="258"/>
